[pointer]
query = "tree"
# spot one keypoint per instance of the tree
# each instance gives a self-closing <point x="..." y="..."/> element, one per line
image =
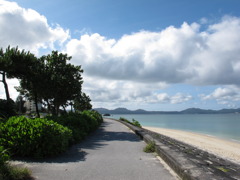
<point x="14" y="64"/>
<point x="3" y="69"/>
<point x="63" y="80"/>
<point x="32" y="85"/>
<point x="82" y="102"/>
<point x="49" y="78"/>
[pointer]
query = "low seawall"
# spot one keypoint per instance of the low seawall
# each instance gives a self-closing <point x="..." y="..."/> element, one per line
<point x="188" y="162"/>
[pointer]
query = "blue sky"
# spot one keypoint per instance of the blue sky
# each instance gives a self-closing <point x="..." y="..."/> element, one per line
<point x="115" y="18"/>
<point x="154" y="55"/>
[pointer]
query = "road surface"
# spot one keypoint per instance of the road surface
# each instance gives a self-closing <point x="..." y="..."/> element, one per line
<point x="113" y="152"/>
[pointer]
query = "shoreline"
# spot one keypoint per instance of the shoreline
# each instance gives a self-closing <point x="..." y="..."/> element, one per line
<point x="221" y="147"/>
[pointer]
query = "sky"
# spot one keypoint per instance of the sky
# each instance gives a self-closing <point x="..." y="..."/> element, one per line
<point x="161" y="55"/>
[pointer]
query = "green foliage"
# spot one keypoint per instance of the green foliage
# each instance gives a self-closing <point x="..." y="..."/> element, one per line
<point x="7" y="108"/>
<point x="15" y="64"/>
<point x="4" y="156"/>
<point x="81" y="124"/>
<point x="74" y="121"/>
<point x="45" y="137"/>
<point x="82" y="102"/>
<point x="93" y="117"/>
<point x="63" y="80"/>
<point x="34" y="137"/>
<point x="134" y="122"/>
<point x="223" y="169"/>
<point x="150" y="147"/>
<point x="8" y="172"/>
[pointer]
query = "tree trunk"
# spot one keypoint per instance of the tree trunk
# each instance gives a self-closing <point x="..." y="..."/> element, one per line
<point x="5" y="85"/>
<point x="57" y="110"/>
<point x="36" y="104"/>
<point x="48" y="106"/>
<point x="64" y="109"/>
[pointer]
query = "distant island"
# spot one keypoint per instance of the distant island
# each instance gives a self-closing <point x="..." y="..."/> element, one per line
<point x="186" y="111"/>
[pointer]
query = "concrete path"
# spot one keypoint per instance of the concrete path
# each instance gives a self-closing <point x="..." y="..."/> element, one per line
<point x="113" y="152"/>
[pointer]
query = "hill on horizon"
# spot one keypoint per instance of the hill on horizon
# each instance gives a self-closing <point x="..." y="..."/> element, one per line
<point x="186" y="111"/>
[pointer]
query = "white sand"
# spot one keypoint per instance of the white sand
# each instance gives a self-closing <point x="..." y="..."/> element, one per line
<point x="223" y="148"/>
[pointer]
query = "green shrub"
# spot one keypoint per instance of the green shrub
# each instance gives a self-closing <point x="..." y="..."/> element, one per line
<point x="34" y="137"/>
<point x="92" y="119"/>
<point x="81" y="124"/>
<point x="4" y="156"/>
<point x="134" y="122"/>
<point x="8" y="172"/>
<point x="76" y="123"/>
<point x="150" y="147"/>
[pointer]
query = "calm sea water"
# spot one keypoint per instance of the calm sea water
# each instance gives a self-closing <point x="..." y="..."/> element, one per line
<point x="225" y="126"/>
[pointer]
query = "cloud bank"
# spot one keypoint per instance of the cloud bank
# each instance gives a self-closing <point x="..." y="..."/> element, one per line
<point x="173" y="55"/>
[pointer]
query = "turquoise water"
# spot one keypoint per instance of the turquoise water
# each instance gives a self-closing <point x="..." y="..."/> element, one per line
<point x="225" y="126"/>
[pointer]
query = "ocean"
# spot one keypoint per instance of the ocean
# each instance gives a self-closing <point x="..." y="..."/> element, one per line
<point x="225" y="126"/>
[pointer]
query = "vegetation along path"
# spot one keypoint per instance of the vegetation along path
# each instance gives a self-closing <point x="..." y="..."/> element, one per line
<point x="112" y="152"/>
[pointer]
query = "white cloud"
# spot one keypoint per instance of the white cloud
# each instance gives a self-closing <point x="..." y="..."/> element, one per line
<point x="128" y="93"/>
<point x="12" y="83"/>
<point x="175" y="99"/>
<point x="103" y="90"/>
<point x="27" y="29"/>
<point x="229" y="95"/>
<point x="174" y="55"/>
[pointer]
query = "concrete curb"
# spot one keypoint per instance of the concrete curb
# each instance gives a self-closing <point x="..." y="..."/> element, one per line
<point x="186" y="167"/>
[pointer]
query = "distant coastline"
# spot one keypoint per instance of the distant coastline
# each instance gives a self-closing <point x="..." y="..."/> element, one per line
<point x="186" y="111"/>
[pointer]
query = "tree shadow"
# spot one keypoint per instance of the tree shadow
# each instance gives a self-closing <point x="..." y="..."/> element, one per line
<point x="94" y="141"/>
<point x="73" y="154"/>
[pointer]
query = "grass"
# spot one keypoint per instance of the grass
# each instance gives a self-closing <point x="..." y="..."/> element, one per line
<point x="134" y="122"/>
<point x="8" y="172"/>
<point x="150" y="147"/>
<point x="222" y="169"/>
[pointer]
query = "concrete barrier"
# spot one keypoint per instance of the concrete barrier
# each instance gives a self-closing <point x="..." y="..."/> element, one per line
<point x="187" y="161"/>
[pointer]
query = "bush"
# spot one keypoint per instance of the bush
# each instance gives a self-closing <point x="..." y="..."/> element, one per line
<point x="94" y="119"/>
<point x="8" y="172"/>
<point x="81" y="124"/>
<point x="150" y="147"/>
<point x="3" y="156"/>
<point x="76" y="123"/>
<point x="34" y="137"/>
<point x="134" y="122"/>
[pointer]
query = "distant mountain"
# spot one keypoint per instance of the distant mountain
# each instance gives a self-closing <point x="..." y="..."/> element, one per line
<point x="197" y="111"/>
<point x="209" y="111"/>
<point x="186" y="111"/>
<point x="120" y="111"/>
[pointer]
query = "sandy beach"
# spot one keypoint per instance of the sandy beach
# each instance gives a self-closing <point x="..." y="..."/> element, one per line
<point x="220" y="147"/>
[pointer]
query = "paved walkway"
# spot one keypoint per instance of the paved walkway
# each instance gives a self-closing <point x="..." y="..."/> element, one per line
<point x="113" y="152"/>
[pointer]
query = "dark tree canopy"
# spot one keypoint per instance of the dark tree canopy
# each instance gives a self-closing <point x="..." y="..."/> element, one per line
<point x="14" y="64"/>
<point x="82" y="102"/>
<point x="63" y="80"/>
<point x="50" y="79"/>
